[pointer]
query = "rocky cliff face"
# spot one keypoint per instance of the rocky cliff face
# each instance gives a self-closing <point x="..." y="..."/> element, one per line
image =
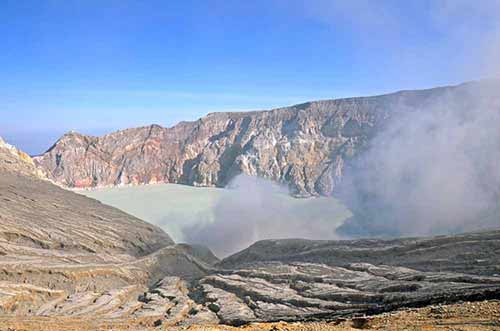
<point x="306" y="146"/>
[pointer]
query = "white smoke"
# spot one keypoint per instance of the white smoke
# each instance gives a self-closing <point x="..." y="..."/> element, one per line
<point x="253" y="209"/>
<point x="433" y="170"/>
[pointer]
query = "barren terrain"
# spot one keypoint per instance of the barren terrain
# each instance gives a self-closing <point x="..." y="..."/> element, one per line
<point x="467" y="316"/>
<point x="68" y="262"/>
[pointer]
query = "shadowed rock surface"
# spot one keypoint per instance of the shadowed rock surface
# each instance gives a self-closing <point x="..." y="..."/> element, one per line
<point x="303" y="291"/>
<point x="322" y="279"/>
<point x="475" y="252"/>
<point x="308" y="146"/>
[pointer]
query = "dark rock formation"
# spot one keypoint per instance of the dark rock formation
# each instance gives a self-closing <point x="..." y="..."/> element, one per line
<point x="305" y="291"/>
<point x="310" y="279"/>
<point x="475" y="253"/>
<point x="306" y="146"/>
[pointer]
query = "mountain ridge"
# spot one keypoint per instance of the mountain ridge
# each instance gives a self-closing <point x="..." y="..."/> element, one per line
<point x="306" y="146"/>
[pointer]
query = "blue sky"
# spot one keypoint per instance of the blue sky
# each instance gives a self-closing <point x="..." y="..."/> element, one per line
<point x="99" y="66"/>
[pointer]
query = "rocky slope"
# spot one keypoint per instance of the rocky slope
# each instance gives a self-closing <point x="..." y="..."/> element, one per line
<point x="306" y="146"/>
<point x="475" y="252"/>
<point x="42" y="216"/>
<point x="286" y="279"/>
<point x="14" y="160"/>
<point x="64" y="256"/>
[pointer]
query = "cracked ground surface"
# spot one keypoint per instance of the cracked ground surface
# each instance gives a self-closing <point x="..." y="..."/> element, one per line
<point x="466" y="316"/>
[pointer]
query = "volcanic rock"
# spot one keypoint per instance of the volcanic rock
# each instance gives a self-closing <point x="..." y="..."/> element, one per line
<point x="308" y="146"/>
<point x="63" y="255"/>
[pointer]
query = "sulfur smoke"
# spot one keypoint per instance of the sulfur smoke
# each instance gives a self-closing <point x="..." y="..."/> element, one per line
<point x="432" y="170"/>
<point x="253" y="209"/>
<point x="435" y="168"/>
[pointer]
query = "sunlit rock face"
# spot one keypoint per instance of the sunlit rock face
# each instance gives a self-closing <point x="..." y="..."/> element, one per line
<point x="306" y="146"/>
<point x="12" y="159"/>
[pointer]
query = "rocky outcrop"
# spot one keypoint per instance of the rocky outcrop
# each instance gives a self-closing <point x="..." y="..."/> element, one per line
<point x="14" y="160"/>
<point x="474" y="253"/>
<point x="307" y="146"/>
<point x="306" y="291"/>
<point x="312" y="279"/>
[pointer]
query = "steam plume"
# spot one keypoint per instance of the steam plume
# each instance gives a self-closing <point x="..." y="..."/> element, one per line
<point x="433" y="170"/>
<point x="253" y="209"/>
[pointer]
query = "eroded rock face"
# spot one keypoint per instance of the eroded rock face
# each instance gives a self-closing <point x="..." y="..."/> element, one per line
<point x="306" y="146"/>
<point x="475" y="252"/>
<point x="319" y="279"/>
<point x="306" y="291"/>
